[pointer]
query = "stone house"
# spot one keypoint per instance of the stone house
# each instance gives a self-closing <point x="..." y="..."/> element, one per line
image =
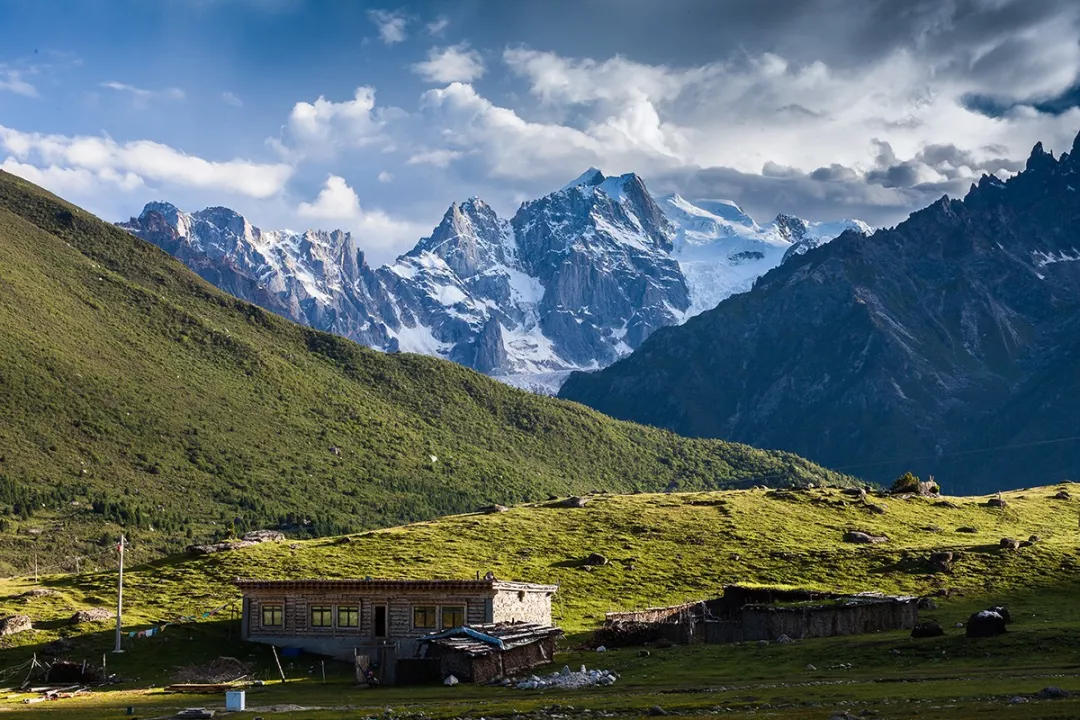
<point x="381" y="618"/>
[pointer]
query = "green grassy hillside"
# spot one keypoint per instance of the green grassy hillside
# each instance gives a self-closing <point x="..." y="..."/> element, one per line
<point x="662" y="548"/>
<point x="133" y="393"/>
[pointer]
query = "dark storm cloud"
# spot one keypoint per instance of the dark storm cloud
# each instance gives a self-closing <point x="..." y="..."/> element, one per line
<point x="883" y="196"/>
<point x="763" y="196"/>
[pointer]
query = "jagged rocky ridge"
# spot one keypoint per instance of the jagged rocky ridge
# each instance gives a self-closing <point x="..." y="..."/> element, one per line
<point x="947" y="345"/>
<point x="575" y="280"/>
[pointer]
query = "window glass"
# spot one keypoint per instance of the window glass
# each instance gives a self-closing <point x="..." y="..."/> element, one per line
<point x="452" y="616"/>
<point x="348" y="616"/>
<point x="322" y="616"/>
<point x="272" y="616"/>
<point x="423" y="617"/>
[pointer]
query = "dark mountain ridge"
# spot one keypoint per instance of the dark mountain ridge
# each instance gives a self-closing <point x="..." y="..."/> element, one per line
<point x="946" y="344"/>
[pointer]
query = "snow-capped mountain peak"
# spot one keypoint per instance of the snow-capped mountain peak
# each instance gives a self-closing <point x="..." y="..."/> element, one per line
<point x="575" y="280"/>
<point x="590" y="178"/>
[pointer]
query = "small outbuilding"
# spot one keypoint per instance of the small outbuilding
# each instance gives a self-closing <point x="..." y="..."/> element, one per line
<point x="482" y="653"/>
<point x="754" y="614"/>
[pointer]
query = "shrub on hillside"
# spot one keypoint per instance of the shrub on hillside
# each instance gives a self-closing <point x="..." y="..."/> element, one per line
<point x="911" y="484"/>
<point x="906" y="483"/>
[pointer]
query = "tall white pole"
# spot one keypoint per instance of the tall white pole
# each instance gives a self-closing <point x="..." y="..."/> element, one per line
<point x="119" y="595"/>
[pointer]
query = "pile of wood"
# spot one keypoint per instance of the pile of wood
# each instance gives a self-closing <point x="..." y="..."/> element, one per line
<point x="221" y="671"/>
<point x="55" y="693"/>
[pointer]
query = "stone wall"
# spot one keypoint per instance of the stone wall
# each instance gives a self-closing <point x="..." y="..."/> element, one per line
<point x="769" y="623"/>
<point x="522" y="605"/>
<point x="672" y="613"/>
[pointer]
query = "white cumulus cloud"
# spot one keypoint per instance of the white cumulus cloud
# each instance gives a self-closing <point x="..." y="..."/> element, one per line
<point x="336" y="201"/>
<point x="144" y="160"/>
<point x="324" y="125"/>
<point x="456" y="63"/>
<point x="391" y="25"/>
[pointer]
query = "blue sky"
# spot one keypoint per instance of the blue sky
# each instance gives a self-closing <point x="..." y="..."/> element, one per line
<point x="375" y="116"/>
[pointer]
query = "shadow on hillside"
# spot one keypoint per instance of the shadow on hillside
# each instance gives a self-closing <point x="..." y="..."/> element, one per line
<point x="145" y="660"/>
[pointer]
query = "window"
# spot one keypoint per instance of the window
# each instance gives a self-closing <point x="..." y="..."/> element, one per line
<point x="423" y="617"/>
<point x="348" y="616"/>
<point x="322" y="616"/>
<point x="272" y="616"/>
<point x="452" y="616"/>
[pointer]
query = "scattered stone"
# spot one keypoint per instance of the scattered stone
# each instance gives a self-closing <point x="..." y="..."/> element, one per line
<point x="595" y="559"/>
<point x="856" y="536"/>
<point x="569" y="680"/>
<point x="927" y="604"/>
<point x="929" y="488"/>
<point x="602" y="648"/>
<point x="947" y="504"/>
<point x="343" y="540"/>
<point x="932" y="528"/>
<point x="494" y="509"/>
<point x="941" y="562"/>
<point x="1053" y="693"/>
<point x="876" y="509"/>
<point x="1062" y="495"/>
<point x="92" y="615"/>
<point x="335" y="450"/>
<point x="254" y="537"/>
<point x="854" y="492"/>
<point x="997" y="502"/>
<point x="927" y="629"/>
<point x="985" y="624"/>
<point x="572" y="502"/>
<point x="1009" y="544"/>
<point x="656" y="711"/>
<point x="1034" y="539"/>
<point x="1018" y="700"/>
<point x="644" y="653"/>
<point x="1003" y="612"/>
<point x="810" y="667"/>
<point x="450" y="680"/>
<point x="784" y="640"/>
<point x="261" y="536"/>
<point x="15" y="624"/>
<point x="967" y="529"/>
<point x="38" y="592"/>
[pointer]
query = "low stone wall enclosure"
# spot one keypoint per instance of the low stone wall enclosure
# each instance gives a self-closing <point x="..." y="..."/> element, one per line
<point x="754" y="614"/>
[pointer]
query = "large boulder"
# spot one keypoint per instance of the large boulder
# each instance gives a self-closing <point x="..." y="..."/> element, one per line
<point x="941" y="562"/>
<point x="15" y="624"/>
<point x="1009" y="544"/>
<point x="927" y="629"/>
<point x="595" y="559"/>
<point x="91" y="615"/>
<point x="862" y="538"/>
<point x="985" y="624"/>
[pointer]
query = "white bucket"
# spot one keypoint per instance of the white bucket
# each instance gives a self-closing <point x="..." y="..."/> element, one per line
<point x="235" y="700"/>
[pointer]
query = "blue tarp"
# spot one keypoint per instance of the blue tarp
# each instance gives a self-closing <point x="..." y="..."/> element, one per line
<point x="467" y="632"/>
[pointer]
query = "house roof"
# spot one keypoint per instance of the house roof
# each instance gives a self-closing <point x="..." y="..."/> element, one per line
<point x="380" y="584"/>
<point x="477" y="640"/>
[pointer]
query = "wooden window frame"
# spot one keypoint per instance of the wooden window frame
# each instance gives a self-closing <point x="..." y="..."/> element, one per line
<point x="273" y="607"/>
<point x="354" y="610"/>
<point x="434" y="617"/>
<point x="463" y="608"/>
<point x="323" y="610"/>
